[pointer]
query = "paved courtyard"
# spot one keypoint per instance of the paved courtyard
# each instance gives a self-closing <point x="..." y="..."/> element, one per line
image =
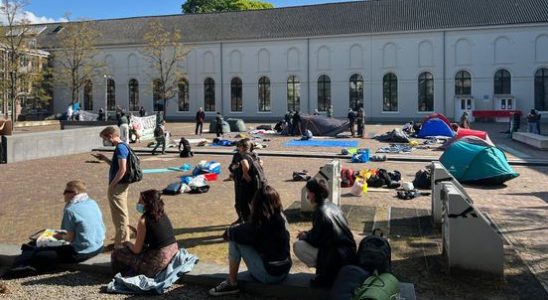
<point x="30" y="195"/>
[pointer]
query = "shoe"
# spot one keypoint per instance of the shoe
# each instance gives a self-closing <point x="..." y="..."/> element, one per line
<point x="224" y="288"/>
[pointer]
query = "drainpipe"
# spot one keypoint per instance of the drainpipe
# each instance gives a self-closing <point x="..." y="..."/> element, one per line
<point x="308" y="73"/>
<point x="222" y="82"/>
<point x="444" y="78"/>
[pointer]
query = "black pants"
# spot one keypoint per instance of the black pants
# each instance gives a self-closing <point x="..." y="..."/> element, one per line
<point x="46" y="258"/>
<point x="245" y="193"/>
<point x="199" y="126"/>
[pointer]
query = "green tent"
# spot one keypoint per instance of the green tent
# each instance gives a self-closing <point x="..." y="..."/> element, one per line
<point x="479" y="164"/>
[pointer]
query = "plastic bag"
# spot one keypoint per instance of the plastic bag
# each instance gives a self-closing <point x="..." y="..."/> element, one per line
<point x="359" y="187"/>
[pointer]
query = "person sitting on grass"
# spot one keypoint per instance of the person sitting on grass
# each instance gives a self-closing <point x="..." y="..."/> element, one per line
<point x="155" y="244"/>
<point x="329" y="245"/>
<point x="263" y="243"/>
<point x="82" y="230"/>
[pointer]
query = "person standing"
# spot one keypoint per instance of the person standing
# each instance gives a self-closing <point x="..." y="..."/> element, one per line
<point x="360" y="122"/>
<point x="117" y="189"/>
<point x="76" y="111"/>
<point x="464" y="120"/>
<point x="532" y="119"/>
<point x="296" y="124"/>
<point x="538" y="121"/>
<point x="123" y="124"/>
<point x="219" y="124"/>
<point x="351" y="119"/>
<point x="330" y="111"/>
<point x="142" y="112"/>
<point x="200" y="117"/>
<point x="70" y="111"/>
<point x="160" y="136"/>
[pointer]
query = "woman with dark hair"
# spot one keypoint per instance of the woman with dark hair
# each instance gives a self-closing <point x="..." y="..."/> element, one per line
<point x="329" y="245"/>
<point x="245" y="185"/>
<point x="263" y="243"/>
<point x="155" y="243"/>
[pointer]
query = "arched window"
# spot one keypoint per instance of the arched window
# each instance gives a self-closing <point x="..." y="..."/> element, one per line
<point x="390" y="92"/>
<point x="133" y="87"/>
<point x="88" y="95"/>
<point x="463" y="84"/>
<point x="324" y="93"/>
<point x="236" y="94"/>
<point x="209" y="94"/>
<point x="541" y="89"/>
<point x="157" y="99"/>
<point x="356" y="92"/>
<point x="502" y="82"/>
<point x="111" y="94"/>
<point x="184" y="104"/>
<point x="264" y="94"/>
<point x="293" y="93"/>
<point x="426" y="92"/>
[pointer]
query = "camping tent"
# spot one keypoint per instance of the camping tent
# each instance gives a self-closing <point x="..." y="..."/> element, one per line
<point x="470" y="139"/>
<point x="478" y="164"/>
<point x="461" y="132"/>
<point x="435" y="127"/>
<point x="321" y="125"/>
<point x="437" y="116"/>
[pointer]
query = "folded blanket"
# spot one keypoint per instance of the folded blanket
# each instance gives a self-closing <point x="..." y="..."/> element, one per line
<point x="182" y="263"/>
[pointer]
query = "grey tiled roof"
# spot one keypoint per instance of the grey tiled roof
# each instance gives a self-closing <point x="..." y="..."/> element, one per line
<point x="375" y="16"/>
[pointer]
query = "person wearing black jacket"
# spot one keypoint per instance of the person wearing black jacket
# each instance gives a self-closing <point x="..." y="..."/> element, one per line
<point x="200" y="117"/>
<point x="329" y="245"/>
<point x="263" y="243"/>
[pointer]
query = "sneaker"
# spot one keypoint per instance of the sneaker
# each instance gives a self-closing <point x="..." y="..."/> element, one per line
<point x="224" y="288"/>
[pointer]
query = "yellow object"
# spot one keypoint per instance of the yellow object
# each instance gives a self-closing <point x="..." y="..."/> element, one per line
<point x="413" y="143"/>
<point x="364" y="186"/>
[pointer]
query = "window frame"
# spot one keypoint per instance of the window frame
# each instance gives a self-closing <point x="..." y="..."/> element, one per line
<point x="324" y="92"/>
<point x="133" y="91"/>
<point x="293" y="97"/>
<point x="541" y="89"/>
<point x="209" y="94"/>
<point x="392" y="80"/>
<point x="502" y="82"/>
<point x="355" y="93"/>
<point x="425" y="92"/>
<point x="264" y="94"/>
<point x="236" y="93"/>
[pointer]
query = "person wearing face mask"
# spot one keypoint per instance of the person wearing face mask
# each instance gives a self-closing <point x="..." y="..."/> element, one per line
<point x="82" y="231"/>
<point x="155" y="244"/>
<point x="329" y="245"/>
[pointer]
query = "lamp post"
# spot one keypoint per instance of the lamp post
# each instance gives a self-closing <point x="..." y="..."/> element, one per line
<point x="107" y="77"/>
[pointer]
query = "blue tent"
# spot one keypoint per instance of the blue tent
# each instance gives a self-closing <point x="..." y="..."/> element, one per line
<point x="435" y="127"/>
<point x="478" y="164"/>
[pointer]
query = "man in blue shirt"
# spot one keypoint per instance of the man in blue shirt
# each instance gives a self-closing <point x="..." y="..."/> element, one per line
<point x="80" y="238"/>
<point x="117" y="190"/>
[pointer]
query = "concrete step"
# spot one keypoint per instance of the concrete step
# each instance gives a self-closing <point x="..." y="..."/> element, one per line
<point x="531" y="139"/>
<point x="296" y="286"/>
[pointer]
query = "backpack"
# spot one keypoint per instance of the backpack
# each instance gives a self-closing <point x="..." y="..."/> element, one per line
<point x="173" y="189"/>
<point x="256" y="170"/>
<point x="375" y="181"/>
<point x="383" y="286"/>
<point x="423" y="179"/>
<point x="374" y="253"/>
<point x="347" y="177"/>
<point x="133" y="169"/>
<point x="158" y="131"/>
<point x="301" y="175"/>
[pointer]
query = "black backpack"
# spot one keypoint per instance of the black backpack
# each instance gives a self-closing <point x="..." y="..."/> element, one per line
<point x="133" y="169"/>
<point x="173" y="189"/>
<point x="256" y="170"/>
<point x="423" y="179"/>
<point x="374" y="253"/>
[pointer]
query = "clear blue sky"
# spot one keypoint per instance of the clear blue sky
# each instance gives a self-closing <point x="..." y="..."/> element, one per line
<point x="103" y="9"/>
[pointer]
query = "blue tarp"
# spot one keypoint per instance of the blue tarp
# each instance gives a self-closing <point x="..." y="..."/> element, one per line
<point x="322" y="143"/>
<point x="435" y="127"/>
<point x="182" y="263"/>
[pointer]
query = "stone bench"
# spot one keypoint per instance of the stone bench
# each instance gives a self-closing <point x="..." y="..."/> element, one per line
<point x="536" y="140"/>
<point x="294" y="287"/>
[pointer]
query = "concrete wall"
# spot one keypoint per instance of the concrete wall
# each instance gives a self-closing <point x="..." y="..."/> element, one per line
<point x="21" y="147"/>
<point x="480" y="51"/>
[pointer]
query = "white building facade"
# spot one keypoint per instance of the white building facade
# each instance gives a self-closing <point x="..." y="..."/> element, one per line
<point x="393" y="74"/>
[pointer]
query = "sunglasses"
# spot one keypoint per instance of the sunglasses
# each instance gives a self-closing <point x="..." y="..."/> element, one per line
<point x="68" y="192"/>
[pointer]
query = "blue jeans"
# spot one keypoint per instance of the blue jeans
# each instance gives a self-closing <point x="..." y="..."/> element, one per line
<point x="253" y="261"/>
<point x="532" y="127"/>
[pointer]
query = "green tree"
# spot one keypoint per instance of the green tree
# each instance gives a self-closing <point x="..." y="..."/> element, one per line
<point x="163" y="51"/>
<point x="75" y="59"/>
<point x="206" y="6"/>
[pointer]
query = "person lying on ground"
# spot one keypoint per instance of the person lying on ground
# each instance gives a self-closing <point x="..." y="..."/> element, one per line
<point x="155" y="244"/>
<point x="263" y="243"/>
